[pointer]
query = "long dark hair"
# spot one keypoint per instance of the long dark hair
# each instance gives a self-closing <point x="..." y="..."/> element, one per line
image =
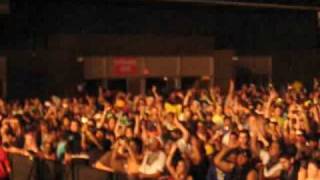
<point x="241" y="172"/>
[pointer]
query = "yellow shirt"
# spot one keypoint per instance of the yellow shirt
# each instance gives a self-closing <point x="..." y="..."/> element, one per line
<point x="280" y="121"/>
<point x="218" y="119"/>
<point x="209" y="149"/>
<point x="297" y="86"/>
<point x="174" y="108"/>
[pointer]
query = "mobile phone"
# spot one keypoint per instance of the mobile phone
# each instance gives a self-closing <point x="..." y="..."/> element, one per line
<point x="47" y="104"/>
<point x="84" y="120"/>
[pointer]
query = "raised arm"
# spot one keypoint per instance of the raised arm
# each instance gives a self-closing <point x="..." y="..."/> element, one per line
<point x="93" y="139"/>
<point x="101" y="166"/>
<point x="169" y="165"/>
<point x="100" y="93"/>
<point x="231" y="87"/>
<point x="315" y="84"/>
<point x="144" y="133"/>
<point x="187" y="97"/>
<point x="229" y="98"/>
<point x="212" y="93"/>
<point x="272" y="96"/>
<point x="185" y="132"/>
<point x="137" y="125"/>
<point x="315" y="114"/>
<point x="155" y="92"/>
<point x="221" y="163"/>
<point x="231" y="90"/>
<point x="131" y="153"/>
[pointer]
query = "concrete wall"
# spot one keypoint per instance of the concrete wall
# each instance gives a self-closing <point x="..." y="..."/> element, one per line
<point x="218" y="67"/>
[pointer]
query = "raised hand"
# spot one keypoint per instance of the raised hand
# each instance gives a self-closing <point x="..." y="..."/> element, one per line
<point x="154" y="89"/>
<point x="273" y="94"/>
<point x="315" y="83"/>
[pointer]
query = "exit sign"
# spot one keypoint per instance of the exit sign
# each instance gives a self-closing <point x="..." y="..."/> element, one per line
<point x="124" y="66"/>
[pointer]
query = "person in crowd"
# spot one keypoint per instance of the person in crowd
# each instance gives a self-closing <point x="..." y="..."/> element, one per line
<point x="180" y="170"/>
<point x="76" y="144"/>
<point x="310" y="172"/>
<point x="116" y="159"/>
<point x="249" y="132"/>
<point x="153" y="162"/>
<point x="5" y="168"/>
<point x="239" y="166"/>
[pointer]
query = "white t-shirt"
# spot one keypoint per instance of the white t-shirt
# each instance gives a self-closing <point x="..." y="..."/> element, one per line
<point x="275" y="170"/>
<point x="153" y="162"/>
<point x="183" y="146"/>
<point x="264" y="156"/>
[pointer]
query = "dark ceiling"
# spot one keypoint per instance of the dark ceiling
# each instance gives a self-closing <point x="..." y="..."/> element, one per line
<point x="30" y="22"/>
<point x="287" y="2"/>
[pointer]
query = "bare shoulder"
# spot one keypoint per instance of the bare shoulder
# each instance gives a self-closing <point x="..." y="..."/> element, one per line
<point x="252" y="175"/>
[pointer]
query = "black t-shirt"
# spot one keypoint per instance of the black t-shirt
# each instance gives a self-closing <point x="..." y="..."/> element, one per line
<point x="191" y="126"/>
<point x="106" y="144"/>
<point x="19" y="143"/>
<point x="74" y="143"/>
<point x="291" y="174"/>
<point x="199" y="171"/>
<point x="95" y="153"/>
<point x="238" y="173"/>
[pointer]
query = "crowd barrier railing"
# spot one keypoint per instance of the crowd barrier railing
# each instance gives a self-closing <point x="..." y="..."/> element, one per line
<point x="24" y="168"/>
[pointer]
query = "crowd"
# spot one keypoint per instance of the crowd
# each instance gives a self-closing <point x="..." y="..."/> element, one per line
<point x="247" y="133"/>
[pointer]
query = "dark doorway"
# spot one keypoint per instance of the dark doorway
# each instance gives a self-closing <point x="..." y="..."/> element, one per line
<point x="91" y="86"/>
<point x="246" y="76"/>
<point x="189" y="82"/>
<point x="117" y="85"/>
<point x="164" y="85"/>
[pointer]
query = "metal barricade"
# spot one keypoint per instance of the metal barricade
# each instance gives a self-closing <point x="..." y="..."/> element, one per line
<point x="24" y="168"/>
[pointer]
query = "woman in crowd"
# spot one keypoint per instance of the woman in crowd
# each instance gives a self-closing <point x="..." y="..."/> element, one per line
<point x="180" y="170"/>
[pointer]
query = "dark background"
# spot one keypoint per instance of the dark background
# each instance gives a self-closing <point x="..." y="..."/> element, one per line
<point x="31" y="22"/>
<point x="38" y="68"/>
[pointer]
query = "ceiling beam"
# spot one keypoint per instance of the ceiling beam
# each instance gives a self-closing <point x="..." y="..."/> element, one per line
<point x="249" y="4"/>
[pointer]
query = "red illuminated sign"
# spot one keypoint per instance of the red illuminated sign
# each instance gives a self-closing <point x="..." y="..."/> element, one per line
<point x="124" y="66"/>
